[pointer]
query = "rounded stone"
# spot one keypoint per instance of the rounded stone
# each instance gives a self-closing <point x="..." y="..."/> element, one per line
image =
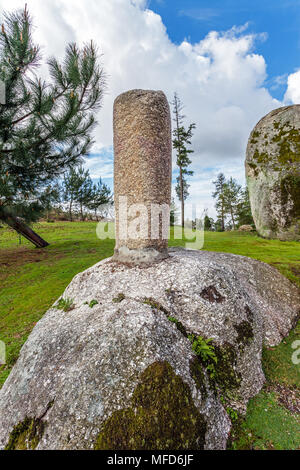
<point x="125" y="374"/>
<point x="273" y="174"/>
<point x="143" y="170"/>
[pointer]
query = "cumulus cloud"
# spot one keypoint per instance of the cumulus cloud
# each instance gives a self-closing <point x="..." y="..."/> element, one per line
<point x="220" y="79"/>
<point x="293" y="89"/>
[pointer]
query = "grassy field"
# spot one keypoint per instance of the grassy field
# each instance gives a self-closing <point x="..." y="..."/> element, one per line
<point x="31" y="280"/>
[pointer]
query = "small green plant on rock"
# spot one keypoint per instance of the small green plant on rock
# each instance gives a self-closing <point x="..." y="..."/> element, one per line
<point x="93" y="303"/>
<point x="65" y="304"/>
<point x="205" y="351"/>
<point x="233" y="415"/>
<point x="203" y="348"/>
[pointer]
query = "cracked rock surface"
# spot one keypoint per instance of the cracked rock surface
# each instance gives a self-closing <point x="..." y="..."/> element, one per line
<point x="83" y="379"/>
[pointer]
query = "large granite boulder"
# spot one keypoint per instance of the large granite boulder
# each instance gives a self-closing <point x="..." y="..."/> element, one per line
<point x="273" y="174"/>
<point x="121" y="361"/>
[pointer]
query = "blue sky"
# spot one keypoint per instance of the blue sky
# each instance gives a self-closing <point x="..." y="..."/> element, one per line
<point x="279" y="19"/>
<point x="230" y="61"/>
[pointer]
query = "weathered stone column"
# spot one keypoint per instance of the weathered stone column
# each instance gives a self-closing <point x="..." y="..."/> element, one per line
<point x="143" y="171"/>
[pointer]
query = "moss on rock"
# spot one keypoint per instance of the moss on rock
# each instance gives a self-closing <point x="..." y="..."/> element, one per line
<point x="162" y="416"/>
<point x="179" y="326"/>
<point x="197" y="374"/>
<point x="26" y="435"/>
<point x="287" y="139"/>
<point x="120" y="297"/>
<point x="155" y="305"/>
<point x="226" y="376"/>
<point x="245" y="333"/>
<point x="290" y="191"/>
<point x="272" y="167"/>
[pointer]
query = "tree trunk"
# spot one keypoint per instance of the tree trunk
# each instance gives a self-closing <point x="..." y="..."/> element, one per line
<point x="19" y="226"/>
<point x="70" y="210"/>
<point x="182" y="199"/>
<point x="181" y="178"/>
<point x="223" y="218"/>
<point x="232" y="217"/>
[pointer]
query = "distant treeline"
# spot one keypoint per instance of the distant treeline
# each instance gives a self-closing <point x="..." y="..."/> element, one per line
<point x="78" y="198"/>
<point x="232" y="206"/>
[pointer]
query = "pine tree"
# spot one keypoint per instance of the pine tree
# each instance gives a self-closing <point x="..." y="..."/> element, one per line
<point x="69" y="190"/>
<point x="244" y="213"/>
<point x="77" y="189"/>
<point x="208" y="223"/>
<point x="51" y="197"/>
<point x="232" y="193"/>
<point x="219" y="195"/>
<point x="181" y="141"/>
<point x="45" y="128"/>
<point x="84" y="194"/>
<point x="101" y="196"/>
<point x="173" y="213"/>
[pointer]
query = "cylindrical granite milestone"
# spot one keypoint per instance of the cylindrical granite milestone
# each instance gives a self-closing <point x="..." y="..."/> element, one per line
<point x="143" y="171"/>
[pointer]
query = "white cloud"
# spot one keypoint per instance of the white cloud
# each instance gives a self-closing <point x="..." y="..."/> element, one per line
<point x="280" y="80"/>
<point x="100" y="164"/>
<point x="220" y="79"/>
<point x="293" y="89"/>
<point x="99" y="167"/>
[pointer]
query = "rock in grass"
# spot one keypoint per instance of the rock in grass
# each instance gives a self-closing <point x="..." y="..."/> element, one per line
<point x="273" y="174"/>
<point x="246" y="228"/>
<point x="137" y="371"/>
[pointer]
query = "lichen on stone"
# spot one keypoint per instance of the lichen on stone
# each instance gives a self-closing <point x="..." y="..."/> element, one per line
<point x="290" y="190"/>
<point x="162" y="416"/>
<point x="288" y="141"/>
<point x="273" y="174"/>
<point x="260" y="157"/>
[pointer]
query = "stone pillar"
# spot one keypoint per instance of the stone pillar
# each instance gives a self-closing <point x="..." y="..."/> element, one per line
<point x="142" y="173"/>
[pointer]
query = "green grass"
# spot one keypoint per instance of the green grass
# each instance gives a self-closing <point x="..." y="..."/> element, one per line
<point x="268" y="426"/>
<point x="31" y="280"/>
<point x="277" y="363"/>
